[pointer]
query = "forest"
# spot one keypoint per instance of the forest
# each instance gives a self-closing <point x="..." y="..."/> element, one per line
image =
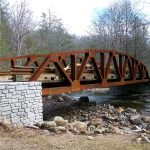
<point x="120" y="26"/>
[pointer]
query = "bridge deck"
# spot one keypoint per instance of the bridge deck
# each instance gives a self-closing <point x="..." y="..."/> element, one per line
<point x="62" y="72"/>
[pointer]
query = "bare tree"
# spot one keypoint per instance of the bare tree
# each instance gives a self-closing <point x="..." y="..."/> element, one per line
<point x="21" y="24"/>
<point x="121" y="26"/>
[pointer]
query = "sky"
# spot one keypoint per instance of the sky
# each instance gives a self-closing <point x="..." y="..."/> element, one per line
<point x="76" y="15"/>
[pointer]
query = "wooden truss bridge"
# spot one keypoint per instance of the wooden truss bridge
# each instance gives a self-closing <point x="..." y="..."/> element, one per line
<point x="70" y="71"/>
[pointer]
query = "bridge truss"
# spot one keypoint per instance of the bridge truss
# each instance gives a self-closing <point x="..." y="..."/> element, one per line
<point x="70" y="71"/>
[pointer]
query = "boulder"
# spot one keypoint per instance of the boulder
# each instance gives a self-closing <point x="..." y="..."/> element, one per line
<point x="106" y="116"/>
<point x="99" y="130"/>
<point x="120" y="110"/>
<point x="81" y="126"/>
<point x="60" y="99"/>
<point x="32" y="126"/>
<point x="111" y="108"/>
<point x="84" y="99"/>
<point x="130" y="110"/>
<point x="77" y="127"/>
<point x="137" y="129"/>
<point x="146" y="119"/>
<point x="96" y="121"/>
<point x="145" y="138"/>
<point x="122" y="117"/>
<point x="139" y="140"/>
<point x="61" y="128"/>
<point x="60" y="121"/>
<point x="91" y="129"/>
<point x="115" y="130"/>
<point x="127" y="130"/>
<point x="48" y="125"/>
<point x="136" y="120"/>
<point x="90" y="137"/>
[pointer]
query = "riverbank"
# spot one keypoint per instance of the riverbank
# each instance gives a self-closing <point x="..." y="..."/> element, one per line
<point x="75" y="125"/>
<point x="35" y="139"/>
<point x="90" y="118"/>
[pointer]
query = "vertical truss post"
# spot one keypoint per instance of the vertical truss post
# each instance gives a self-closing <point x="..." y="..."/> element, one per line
<point x="73" y="68"/>
<point x="13" y="63"/>
<point x="130" y="68"/>
<point x="102" y="64"/>
<point x="124" y="66"/>
<point x="116" y="67"/>
<point x="120" y="65"/>
<point x="107" y="69"/>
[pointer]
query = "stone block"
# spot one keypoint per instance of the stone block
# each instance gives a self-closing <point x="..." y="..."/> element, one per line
<point x="18" y="93"/>
<point x="24" y="106"/>
<point x="14" y="96"/>
<point x="28" y="99"/>
<point x="2" y="87"/>
<point x="8" y="95"/>
<point x="31" y="84"/>
<point x="27" y="110"/>
<point x="13" y="115"/>
<point x="21" y="99"/>
<point x="30" y="91"/>
<point x="32" y="88"/>
<point x="37" y="94"/>
<point x="18" y="105"/>
<point x="14" y="100"/>
<point x="40" y="105"/>
<point x="20" y="110"/>
<point x="21" y="87"/>
<point x="38" y="91"/>
<point x="15" y="120"/>
<point x="30" y="96"/>
<point x="12" y="105"/>
<point x="4" y="105"/>
<point x="11" y="87"/>
<point x="37" y="83"/>
<point x="21" y="113"/>
<point x="40" y="110"/>
<point x="4" y="91"/>
<point x="39" y="87"/>
<point x="4" y="101"/>
<point x="6" y="108"/>
<point x="6" y="113"/>
<point x="11" y="90"/>
<point x="36" y="111"/>
<point x="37" y="98"/>
<point x="23" y="93"/>
<point x="14" y="110"/>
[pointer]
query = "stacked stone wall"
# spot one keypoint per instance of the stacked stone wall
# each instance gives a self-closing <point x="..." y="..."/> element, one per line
<point x="21" y="102"/>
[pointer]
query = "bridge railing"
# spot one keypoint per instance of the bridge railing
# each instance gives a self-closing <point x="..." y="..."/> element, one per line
<point x="75" y="70"/>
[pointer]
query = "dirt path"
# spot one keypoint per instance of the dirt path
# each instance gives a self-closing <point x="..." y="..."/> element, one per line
<point x="29" y="139"/>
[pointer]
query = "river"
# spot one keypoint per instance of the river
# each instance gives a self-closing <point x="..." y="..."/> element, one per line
<point x="139" y="101"/>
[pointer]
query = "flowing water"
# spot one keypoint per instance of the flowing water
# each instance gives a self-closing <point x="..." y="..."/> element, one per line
<point x="139" y="101"/>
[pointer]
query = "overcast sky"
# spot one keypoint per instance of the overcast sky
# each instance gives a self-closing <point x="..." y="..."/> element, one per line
<point x="75" y="14"/>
